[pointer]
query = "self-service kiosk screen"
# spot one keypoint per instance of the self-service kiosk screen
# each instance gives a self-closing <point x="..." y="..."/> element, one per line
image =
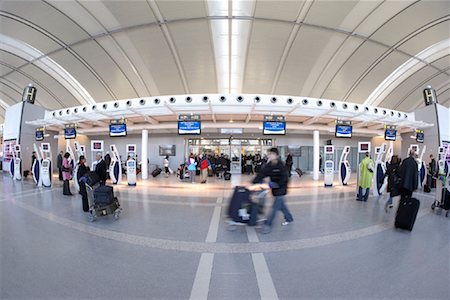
<point x="343" y="131"/>
<point x="189" y="127"/>
<point x="131" y="149"/>
<point x="328" y="164"/>
<point x="97" y="146"/>
<point x="70" y="133"/>
<point x="131" y="163"/>
<point x="420" y="137"/>
<point x="364" y="147"/>
<point x="117" y="130"/>
<point x="275" y="128"/>
<point x="45" y="147"/>
<point x="390" y="134"/>
<point x="328" y="149"/>
<point x="45" y="164"/>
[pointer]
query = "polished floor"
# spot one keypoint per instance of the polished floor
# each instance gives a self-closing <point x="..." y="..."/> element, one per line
<point x="172" y="242"/>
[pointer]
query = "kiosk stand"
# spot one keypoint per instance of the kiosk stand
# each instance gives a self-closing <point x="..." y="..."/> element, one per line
<point x="422" y="168"/>
<point x="73" y="164"/>
<point x="46" y="164"/>
<point x="380" y="170"/>
<point x="344" y="167"/>
<point x="443" y="181"/>
<point x="131" y="164"/>
<point x="96" y="147"/>
<point x="16" y="164"/>
<point x="329" y="166"/>
<point x="115" y="169"/>
<point x="363" y="148"/>
<point x="387" y="161"/>
<point x="79" y="150"/>
<point x="37" y="167"/>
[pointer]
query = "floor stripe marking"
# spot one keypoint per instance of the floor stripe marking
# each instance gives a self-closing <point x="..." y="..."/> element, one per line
<point x="200" y="288"/>
<point x="211" y="237"/>
<point x="265" y="283"/>
<point x="251" y="234"/>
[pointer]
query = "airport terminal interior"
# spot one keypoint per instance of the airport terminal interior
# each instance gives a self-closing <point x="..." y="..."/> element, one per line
<point x="225" y="149"/>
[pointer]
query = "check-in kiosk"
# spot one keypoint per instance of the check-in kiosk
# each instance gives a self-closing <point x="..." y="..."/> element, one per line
<point x="380" y="170"/>
<point x="422" y="168"/>
<point x="96" y="147"/>
<point x="344" y="167"/>
<point x="37" y="166"/>
<point x="16" y="163"/>
<point x="131" y="164"/>
<point x="79" y="151"/>
<point x="329" y="166"/>
<point x="115" y="168"/>
<point x="443" y="180"/>
<point x="387" y="161"/>
<point x="46" y="164"/>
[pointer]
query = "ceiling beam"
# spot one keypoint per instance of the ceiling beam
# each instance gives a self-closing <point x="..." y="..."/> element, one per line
<point x="315" y="118"/>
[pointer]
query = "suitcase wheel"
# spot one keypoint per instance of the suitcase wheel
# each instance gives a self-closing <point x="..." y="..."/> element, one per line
<point x="433" y="206"/>
<point x="117" y="213"/>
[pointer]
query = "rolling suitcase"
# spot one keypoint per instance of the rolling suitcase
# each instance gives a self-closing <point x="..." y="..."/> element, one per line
<point x="299" y="172"/>
<point x="241" y="208"/>
<point x="407" y="213"/>
<point x="156" y="172"/>
<point x="104" y="195"/>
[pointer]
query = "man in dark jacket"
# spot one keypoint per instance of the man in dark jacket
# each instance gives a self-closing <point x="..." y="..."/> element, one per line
<point x="409" y="174"/>
<point x="289" y="163"/>
<point x="59" y="163"/>
<point x="432" y="170"/>
<point x="100" y="168"/>
<point x="277" y="172"/>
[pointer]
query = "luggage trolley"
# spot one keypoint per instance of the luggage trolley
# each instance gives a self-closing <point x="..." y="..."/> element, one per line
<point x="245" y="206"/>
<point x="99" y="208"/>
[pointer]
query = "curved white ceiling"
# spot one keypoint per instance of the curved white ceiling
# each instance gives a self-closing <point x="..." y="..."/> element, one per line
<point x="356" y="51"/>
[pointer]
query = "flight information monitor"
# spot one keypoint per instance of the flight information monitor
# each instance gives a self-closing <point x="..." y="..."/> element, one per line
<point x="420" y="136"/>
<point x="274" y="128"/>
<point x="117" y="130"/>
<point x="70" y="133"/>
<point x="390" y="134"/>
<point x="343" y="131"/>
<point x="39" y="135"/>
<point x="189" y="127"/>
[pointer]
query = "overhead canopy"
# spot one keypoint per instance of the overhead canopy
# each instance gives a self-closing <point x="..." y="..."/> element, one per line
<point x="380" y="53"/>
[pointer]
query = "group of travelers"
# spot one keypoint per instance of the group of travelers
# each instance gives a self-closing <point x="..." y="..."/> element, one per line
<point x="207" y="166"/>
<point x="252" y="164"/>
<point x="402" y="177"/>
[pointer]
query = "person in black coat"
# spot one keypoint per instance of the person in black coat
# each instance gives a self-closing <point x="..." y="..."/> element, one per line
<point x="409" y="174"/>
<point x="83" y="170"/>
<point x="276" y="170"/>
<point x="289" y="164"/>
<point x="393" y="187"/>
<point x="432" y="170"/>
<point x="101" y="168"/>
<point x="59" y="163"/>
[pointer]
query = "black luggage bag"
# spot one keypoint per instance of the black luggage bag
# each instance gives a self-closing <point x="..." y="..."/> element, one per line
<point x="92" y="178"/>
<point x="104" y="195"/>
<point x="299" y="172"/>
<point x="156" y="172"/>
<point x="241" y="208"/>
<point x="407" y="213"/>
<point x="426" y="188"/>
<point x="227" y="175"/>
<point x="445" y="199"/>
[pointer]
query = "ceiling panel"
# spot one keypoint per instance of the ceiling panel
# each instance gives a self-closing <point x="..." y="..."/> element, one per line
<point x="44" y="15"/>
<point x="265" y="50"/>
<point x="329" y="13"/>
<point x="193" y="43"/>
<point x="137" y="12"/>
<point x="411" y="19"/>
<point x="303" y="54"/>
<point x="11" y="59"/>
<point x="157" y="57"/>
<point x="416" y="97"/>
<point x="406" y="86"/>
<point x="352" y="69"/>
<point x="427" y="38"/>
<point x="97" y="58"/>
<point x="442" y="63"/>
<point x="280" y="10"/>
<point x="64" y="95"/>
<point x="27" y="35"/>
<point x="86" y="78"/>
<point x="184" y="9"/>
<point x="5" y="69"/>
<point x="10" y="99"/>
<point x="43" y="98"/>
<point x="376" y="76"/>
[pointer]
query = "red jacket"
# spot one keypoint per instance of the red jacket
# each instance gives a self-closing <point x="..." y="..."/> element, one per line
<point x="204" y="164"/>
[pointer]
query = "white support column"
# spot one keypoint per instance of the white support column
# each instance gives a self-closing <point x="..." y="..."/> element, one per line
<point x="144" y="154"/>
<point x="316" y="154"/>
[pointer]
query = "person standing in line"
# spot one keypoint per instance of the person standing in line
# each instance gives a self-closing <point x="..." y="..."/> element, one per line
<point x="432" y="170"/>
<point x="166" y="166"/>
<point x="277" y="172"/>
<point x="320" y="164"/>
<point x="83" y="170"/>
<point x="393" y="187"/>
<point x="100" y="169"/>
<point x="289" y="163"/>
<point x="366" y="168"/>
<point x="107" y="161"/>
<point x="33" y="158"/>
<point x="59" y="165"/>
<point x="192" y="168"/>
<point x="66" y="174"/>
<point x="204" y="166"/>
<point x="409" y="174"/>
